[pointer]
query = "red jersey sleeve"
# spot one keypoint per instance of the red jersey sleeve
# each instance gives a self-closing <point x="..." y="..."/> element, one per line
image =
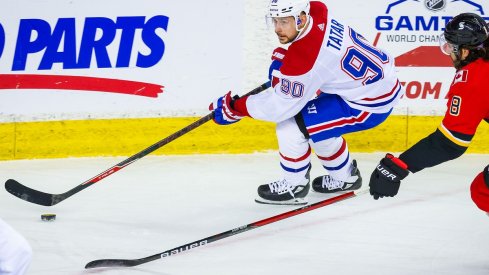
<point x="468" y="103"/>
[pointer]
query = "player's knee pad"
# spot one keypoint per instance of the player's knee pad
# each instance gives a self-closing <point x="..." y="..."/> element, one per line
<point x="479" y="190"/>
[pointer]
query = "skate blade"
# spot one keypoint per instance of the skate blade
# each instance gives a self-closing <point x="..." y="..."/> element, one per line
<point x="337" y="191"/>
<point x="296" y="201"/>
<point x="334" y="192"/>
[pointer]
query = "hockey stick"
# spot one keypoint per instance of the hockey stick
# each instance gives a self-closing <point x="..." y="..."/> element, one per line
<point x="34" y="196"/>
<point x="229" y="233"/>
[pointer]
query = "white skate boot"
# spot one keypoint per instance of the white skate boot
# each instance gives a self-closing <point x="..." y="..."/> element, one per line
<point x="326" y="184"/>
<point x="283" y="192"/>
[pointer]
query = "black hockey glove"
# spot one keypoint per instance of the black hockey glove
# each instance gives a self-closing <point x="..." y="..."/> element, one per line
<point x="386" y="178"/>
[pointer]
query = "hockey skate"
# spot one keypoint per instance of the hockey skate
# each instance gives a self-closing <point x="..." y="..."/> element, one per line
<point x="283" y="192"/>
<point x="326" y="184"/>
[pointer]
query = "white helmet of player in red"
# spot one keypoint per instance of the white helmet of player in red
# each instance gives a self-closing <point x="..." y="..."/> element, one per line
<point x="286" y="8"/>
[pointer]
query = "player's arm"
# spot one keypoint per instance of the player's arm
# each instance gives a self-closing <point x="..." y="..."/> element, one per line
<point x="287" y="96"/>
<point x="449" y="141"/>
<point x="230" y="109"/>
<point x="291" y="88"/>
<point x="453" y="136"/>
<point x="441" y="146"/>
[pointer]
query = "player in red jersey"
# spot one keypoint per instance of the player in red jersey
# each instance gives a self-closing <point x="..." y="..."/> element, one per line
<point x="465" y="39"/>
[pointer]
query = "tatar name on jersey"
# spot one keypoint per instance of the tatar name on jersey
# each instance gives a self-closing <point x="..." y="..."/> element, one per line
<point x="335" y="36"/>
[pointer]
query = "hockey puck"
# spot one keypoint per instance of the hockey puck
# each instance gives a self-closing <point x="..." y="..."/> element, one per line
<point x="48" y="217"/>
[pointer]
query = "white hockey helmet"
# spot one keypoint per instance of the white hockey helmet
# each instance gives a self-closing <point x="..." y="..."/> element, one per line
<point x="286" y="8"/>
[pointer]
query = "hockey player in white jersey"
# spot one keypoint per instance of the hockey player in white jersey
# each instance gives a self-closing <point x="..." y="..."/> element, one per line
<point x="331" y="81"/>
<point x="15" y="251"/>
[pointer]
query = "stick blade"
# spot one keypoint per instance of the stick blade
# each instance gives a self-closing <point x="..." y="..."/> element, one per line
<point x="28" y="194"/>
<point x="111" y="263"/>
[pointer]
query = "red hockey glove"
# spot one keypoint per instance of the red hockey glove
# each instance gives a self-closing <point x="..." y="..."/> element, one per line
<point x="224" y="114"/>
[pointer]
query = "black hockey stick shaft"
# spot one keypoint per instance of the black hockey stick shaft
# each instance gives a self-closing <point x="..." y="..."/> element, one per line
<point x="34" y="196"/>
<point x="229" y="233"/>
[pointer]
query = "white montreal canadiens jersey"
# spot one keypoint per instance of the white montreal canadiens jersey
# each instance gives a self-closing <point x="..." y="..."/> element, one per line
<point x="330" y="57"/>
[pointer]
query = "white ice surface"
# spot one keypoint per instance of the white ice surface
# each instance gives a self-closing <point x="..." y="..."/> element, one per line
<point x="162" y="202"/>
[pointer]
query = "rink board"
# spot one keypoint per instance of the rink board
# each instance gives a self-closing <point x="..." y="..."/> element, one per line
<point x="64" y="98"/>
<point x="124" y="137"/>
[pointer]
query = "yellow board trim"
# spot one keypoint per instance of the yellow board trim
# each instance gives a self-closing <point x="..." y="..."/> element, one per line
<point x="125" y="137"/>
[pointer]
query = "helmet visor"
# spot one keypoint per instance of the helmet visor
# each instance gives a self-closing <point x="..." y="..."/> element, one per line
<point x="282" y="22"/>
<point x="445" y="46"/>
